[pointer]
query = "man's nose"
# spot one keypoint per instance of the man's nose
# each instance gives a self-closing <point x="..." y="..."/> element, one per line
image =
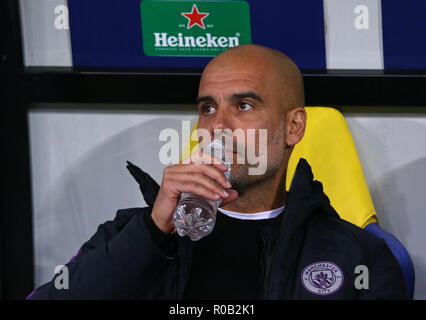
<point x="220" y="120"/>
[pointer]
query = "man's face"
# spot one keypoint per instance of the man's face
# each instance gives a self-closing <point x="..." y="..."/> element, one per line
<point x="244" y="96"/>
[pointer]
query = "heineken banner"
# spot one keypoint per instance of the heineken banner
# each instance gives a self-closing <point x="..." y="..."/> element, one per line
<point x="185" y="33"/>
<point x="201" y="34"/>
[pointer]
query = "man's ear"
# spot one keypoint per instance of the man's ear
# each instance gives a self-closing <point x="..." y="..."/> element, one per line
<point x="295" y="125"/>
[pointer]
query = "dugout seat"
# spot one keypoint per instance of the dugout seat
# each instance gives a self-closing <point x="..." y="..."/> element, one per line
<point x="329" y="148"/>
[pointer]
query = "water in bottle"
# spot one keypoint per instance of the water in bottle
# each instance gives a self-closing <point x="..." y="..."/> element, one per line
<point x="195" y="216"/>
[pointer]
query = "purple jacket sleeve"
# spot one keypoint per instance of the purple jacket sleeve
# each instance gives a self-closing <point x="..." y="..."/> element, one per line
<point x="124" y="259"/>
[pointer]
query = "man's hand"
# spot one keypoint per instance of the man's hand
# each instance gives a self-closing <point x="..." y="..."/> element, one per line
<point x="202" y="177"/>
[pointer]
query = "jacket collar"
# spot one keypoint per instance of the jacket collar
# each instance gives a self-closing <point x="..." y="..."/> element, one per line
<point x="148" y="186"/>
<point x="306" y="196"/>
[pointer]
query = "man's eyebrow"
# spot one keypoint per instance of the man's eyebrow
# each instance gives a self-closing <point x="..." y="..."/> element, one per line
<point x="204" y="99"/>
<point x="235" y="96"/>
<point x="248" y="94"/>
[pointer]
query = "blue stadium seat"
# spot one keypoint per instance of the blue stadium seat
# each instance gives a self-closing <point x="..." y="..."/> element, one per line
<point x="400" y="254"/>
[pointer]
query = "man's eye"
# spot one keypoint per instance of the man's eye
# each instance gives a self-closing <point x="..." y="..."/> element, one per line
<point x="244" y="107"/>
<point x="209" y="110"/>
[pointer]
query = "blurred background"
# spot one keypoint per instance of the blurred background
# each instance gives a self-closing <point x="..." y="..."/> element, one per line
<point x="85" y="88"/>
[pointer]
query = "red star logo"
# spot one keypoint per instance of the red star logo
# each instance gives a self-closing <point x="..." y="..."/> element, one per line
<point x="195" y="17"/>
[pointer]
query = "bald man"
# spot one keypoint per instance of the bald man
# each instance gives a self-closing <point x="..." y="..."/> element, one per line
<point x="267" y="243"/>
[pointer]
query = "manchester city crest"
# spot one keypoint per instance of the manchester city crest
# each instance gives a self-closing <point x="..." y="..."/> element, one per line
<point x="322" y="278"/>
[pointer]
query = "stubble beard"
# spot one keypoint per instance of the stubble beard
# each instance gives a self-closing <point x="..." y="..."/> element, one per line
<point x="240" y="178"/>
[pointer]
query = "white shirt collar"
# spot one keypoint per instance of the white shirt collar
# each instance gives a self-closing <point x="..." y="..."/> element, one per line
<point x="253" y="216"/>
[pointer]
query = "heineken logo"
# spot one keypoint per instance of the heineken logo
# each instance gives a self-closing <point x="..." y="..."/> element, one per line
<point x="193" y="28"/>
<point x="209" y="41"/>
<point x="195" y="17"/>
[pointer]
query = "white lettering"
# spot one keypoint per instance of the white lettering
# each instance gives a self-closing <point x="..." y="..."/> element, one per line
<point x="62" y="280"/>
<point x="181" y="310"/>
<point x="223" y="42"/>
<point x="262" y="158"/>
<point x="189" y="42"/>
<point x="201" y="42"/>
<point x="233" y="42"/>
<point x="234" y="143"/>
<point x="361" y="21"/>
<point x="62" y="20"/>
<point x="160" y="41"/>
<point x="186" y="132"/>
<point x="180" y="39"/>
<point x="211" y="41"/>
<point x="172" y="41"/>
<point x="362" y="281"/>
<point x="169" y="152"/>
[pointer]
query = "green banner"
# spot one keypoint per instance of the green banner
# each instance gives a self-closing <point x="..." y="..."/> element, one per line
<point x="193" y="28"/>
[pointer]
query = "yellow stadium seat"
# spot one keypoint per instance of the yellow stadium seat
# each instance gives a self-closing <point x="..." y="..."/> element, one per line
<point x="329" y="148"/>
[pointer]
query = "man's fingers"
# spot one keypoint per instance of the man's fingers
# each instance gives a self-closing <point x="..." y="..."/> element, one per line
<point x="208" y="170"/>
<point x="196" y="188"/>
<point x="212" y="173"/>
<point x="201" y="179"/>
<point x="233" y="195"/>
<point x="201" y="157"/>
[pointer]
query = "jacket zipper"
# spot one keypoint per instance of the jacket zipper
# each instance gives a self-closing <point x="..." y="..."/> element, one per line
<point x="268" y="276"/>
<point x="262" y="264"/>
<point x="267" y="266"/>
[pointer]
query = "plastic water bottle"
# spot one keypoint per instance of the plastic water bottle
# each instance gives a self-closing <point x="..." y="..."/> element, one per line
<point x="195" y="216"/>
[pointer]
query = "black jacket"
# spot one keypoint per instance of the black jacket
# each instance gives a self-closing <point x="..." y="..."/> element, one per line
<point x="310" y="254"/>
